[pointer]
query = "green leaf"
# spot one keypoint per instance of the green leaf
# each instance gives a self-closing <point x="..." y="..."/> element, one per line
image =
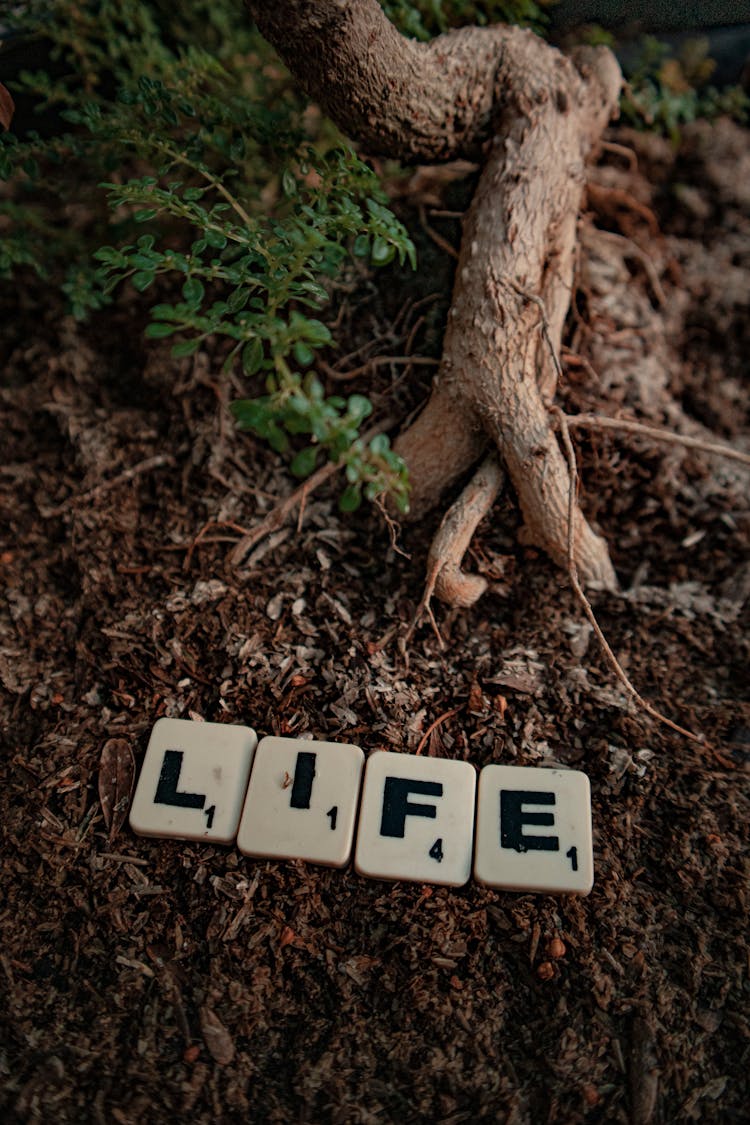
<point x="350" y="498"/>
<point x="361" y="246"/>
<point x="193" y="292"/>
<point x="144" y="216"/>
<point x="186" y="347"/>
<point x="359" y="407"/>
<point x="277" y="438"/>
<point x="216" y="239"/>
<point x="304" y="462"/>
<point x="289" y="183"/>
<point x="317" y="292"/>
<point x="110" y="256"/>
<point x="382" y="252"/>
<point x="380" y="444"/>
<point x="252" y="356"/>
<point x="156" y="330"/>
<point x="237" y="300"/>
<point x="249" y="413"/>
<point x="315" y="332"/>
<point x="402" y="501"/>
<point x="303" y="354"/>
<point x="142" y="279"/>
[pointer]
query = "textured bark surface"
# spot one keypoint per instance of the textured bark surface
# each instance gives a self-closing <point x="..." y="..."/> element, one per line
<point x="537" y="114"/>
<point x="408" y="100"/>
<point x="445" y="578"/>
<point x="497" y="367"/>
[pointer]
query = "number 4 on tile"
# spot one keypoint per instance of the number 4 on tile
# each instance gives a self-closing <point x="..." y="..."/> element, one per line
<point x="416" y="819"/>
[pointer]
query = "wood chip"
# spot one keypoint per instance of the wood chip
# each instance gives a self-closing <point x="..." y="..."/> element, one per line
<point x="216" y="1037"/>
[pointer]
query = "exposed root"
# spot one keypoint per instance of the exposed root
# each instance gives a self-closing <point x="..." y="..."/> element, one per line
<point x="622" y="150"/>
<point x="632" y="250"/>
<point x="612" y="660"/>
<point x="376" y="361"/>
<point x="653" y="433"/>
<point x="438" y="239"/>
<point x="608" y="202"/>
<point x="545" y="112"/>
<point x="497" y="374"/>
<point x="445" y="578"/>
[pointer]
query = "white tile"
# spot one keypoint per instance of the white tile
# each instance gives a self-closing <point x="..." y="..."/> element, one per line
<point x="193" y="781"/>
<point x="416" y="819"/>
<point x="302" y="801"/>
<point x="534" y="830"/>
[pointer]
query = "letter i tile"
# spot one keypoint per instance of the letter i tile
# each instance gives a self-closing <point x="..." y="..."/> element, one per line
<point x="534" y="830"/>
<point x="193" y="781"/>
<point x="302" y="801"/>
<point x="416" y="819"/>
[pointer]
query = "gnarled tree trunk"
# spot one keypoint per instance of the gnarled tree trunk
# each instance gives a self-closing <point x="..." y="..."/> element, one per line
<point x="534" y="115"/>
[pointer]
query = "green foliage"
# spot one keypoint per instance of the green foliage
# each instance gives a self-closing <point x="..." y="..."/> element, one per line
<point x="665" y="92"/>
<point x="422" y="19"/>
<point x="222" y="202"/>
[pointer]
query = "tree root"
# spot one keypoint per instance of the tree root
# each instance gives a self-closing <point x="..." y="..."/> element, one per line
<point x="499" y="371"/>
<point x="445" y="578"/>
<point x="612" y="660"/>
<point x="654" y="433"/>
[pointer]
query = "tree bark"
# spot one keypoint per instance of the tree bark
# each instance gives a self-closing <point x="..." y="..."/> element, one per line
<point x="411" y="101"/>
<point x="536" y="114"/>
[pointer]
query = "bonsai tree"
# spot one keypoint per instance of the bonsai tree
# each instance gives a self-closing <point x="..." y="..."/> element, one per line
<point x="532" y="116"/>
<point x="220" y="194"/>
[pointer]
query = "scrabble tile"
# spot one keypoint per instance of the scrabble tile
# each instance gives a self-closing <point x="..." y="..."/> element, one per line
<point x="416" y="819"/>
<point x="302" y="801"/>
<point x="534" y="830"/>
<point x="193" y="781"/>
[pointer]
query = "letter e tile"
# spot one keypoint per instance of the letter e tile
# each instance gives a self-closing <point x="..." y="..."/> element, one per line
<point x="302" y="801"/>
<point x="534" y="830"/>
<point x="193" y="781"/>
<point x="416" y="819"/>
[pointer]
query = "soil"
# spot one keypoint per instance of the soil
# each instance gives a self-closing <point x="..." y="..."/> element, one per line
<point x="145" y="979"/>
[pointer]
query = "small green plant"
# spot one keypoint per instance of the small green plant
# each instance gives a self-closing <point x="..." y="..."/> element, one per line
<point x="422" y="19"/>
<point x="221" y="201"/>
<point x="665" y="91"/>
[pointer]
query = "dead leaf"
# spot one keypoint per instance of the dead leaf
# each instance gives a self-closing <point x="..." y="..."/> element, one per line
<point x="216" y="1037"/>
<point x="476" y="699"/>
<point x="7" y="107"/>
<point x="116" y="777"/>
<point x="287" y="936"/>
<point x="643" y="1073"/>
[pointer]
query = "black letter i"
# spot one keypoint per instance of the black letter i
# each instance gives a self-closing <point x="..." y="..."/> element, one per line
<point x="304" y="772"/>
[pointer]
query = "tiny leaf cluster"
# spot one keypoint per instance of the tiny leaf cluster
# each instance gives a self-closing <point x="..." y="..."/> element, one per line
<point x="223" y="202"/>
